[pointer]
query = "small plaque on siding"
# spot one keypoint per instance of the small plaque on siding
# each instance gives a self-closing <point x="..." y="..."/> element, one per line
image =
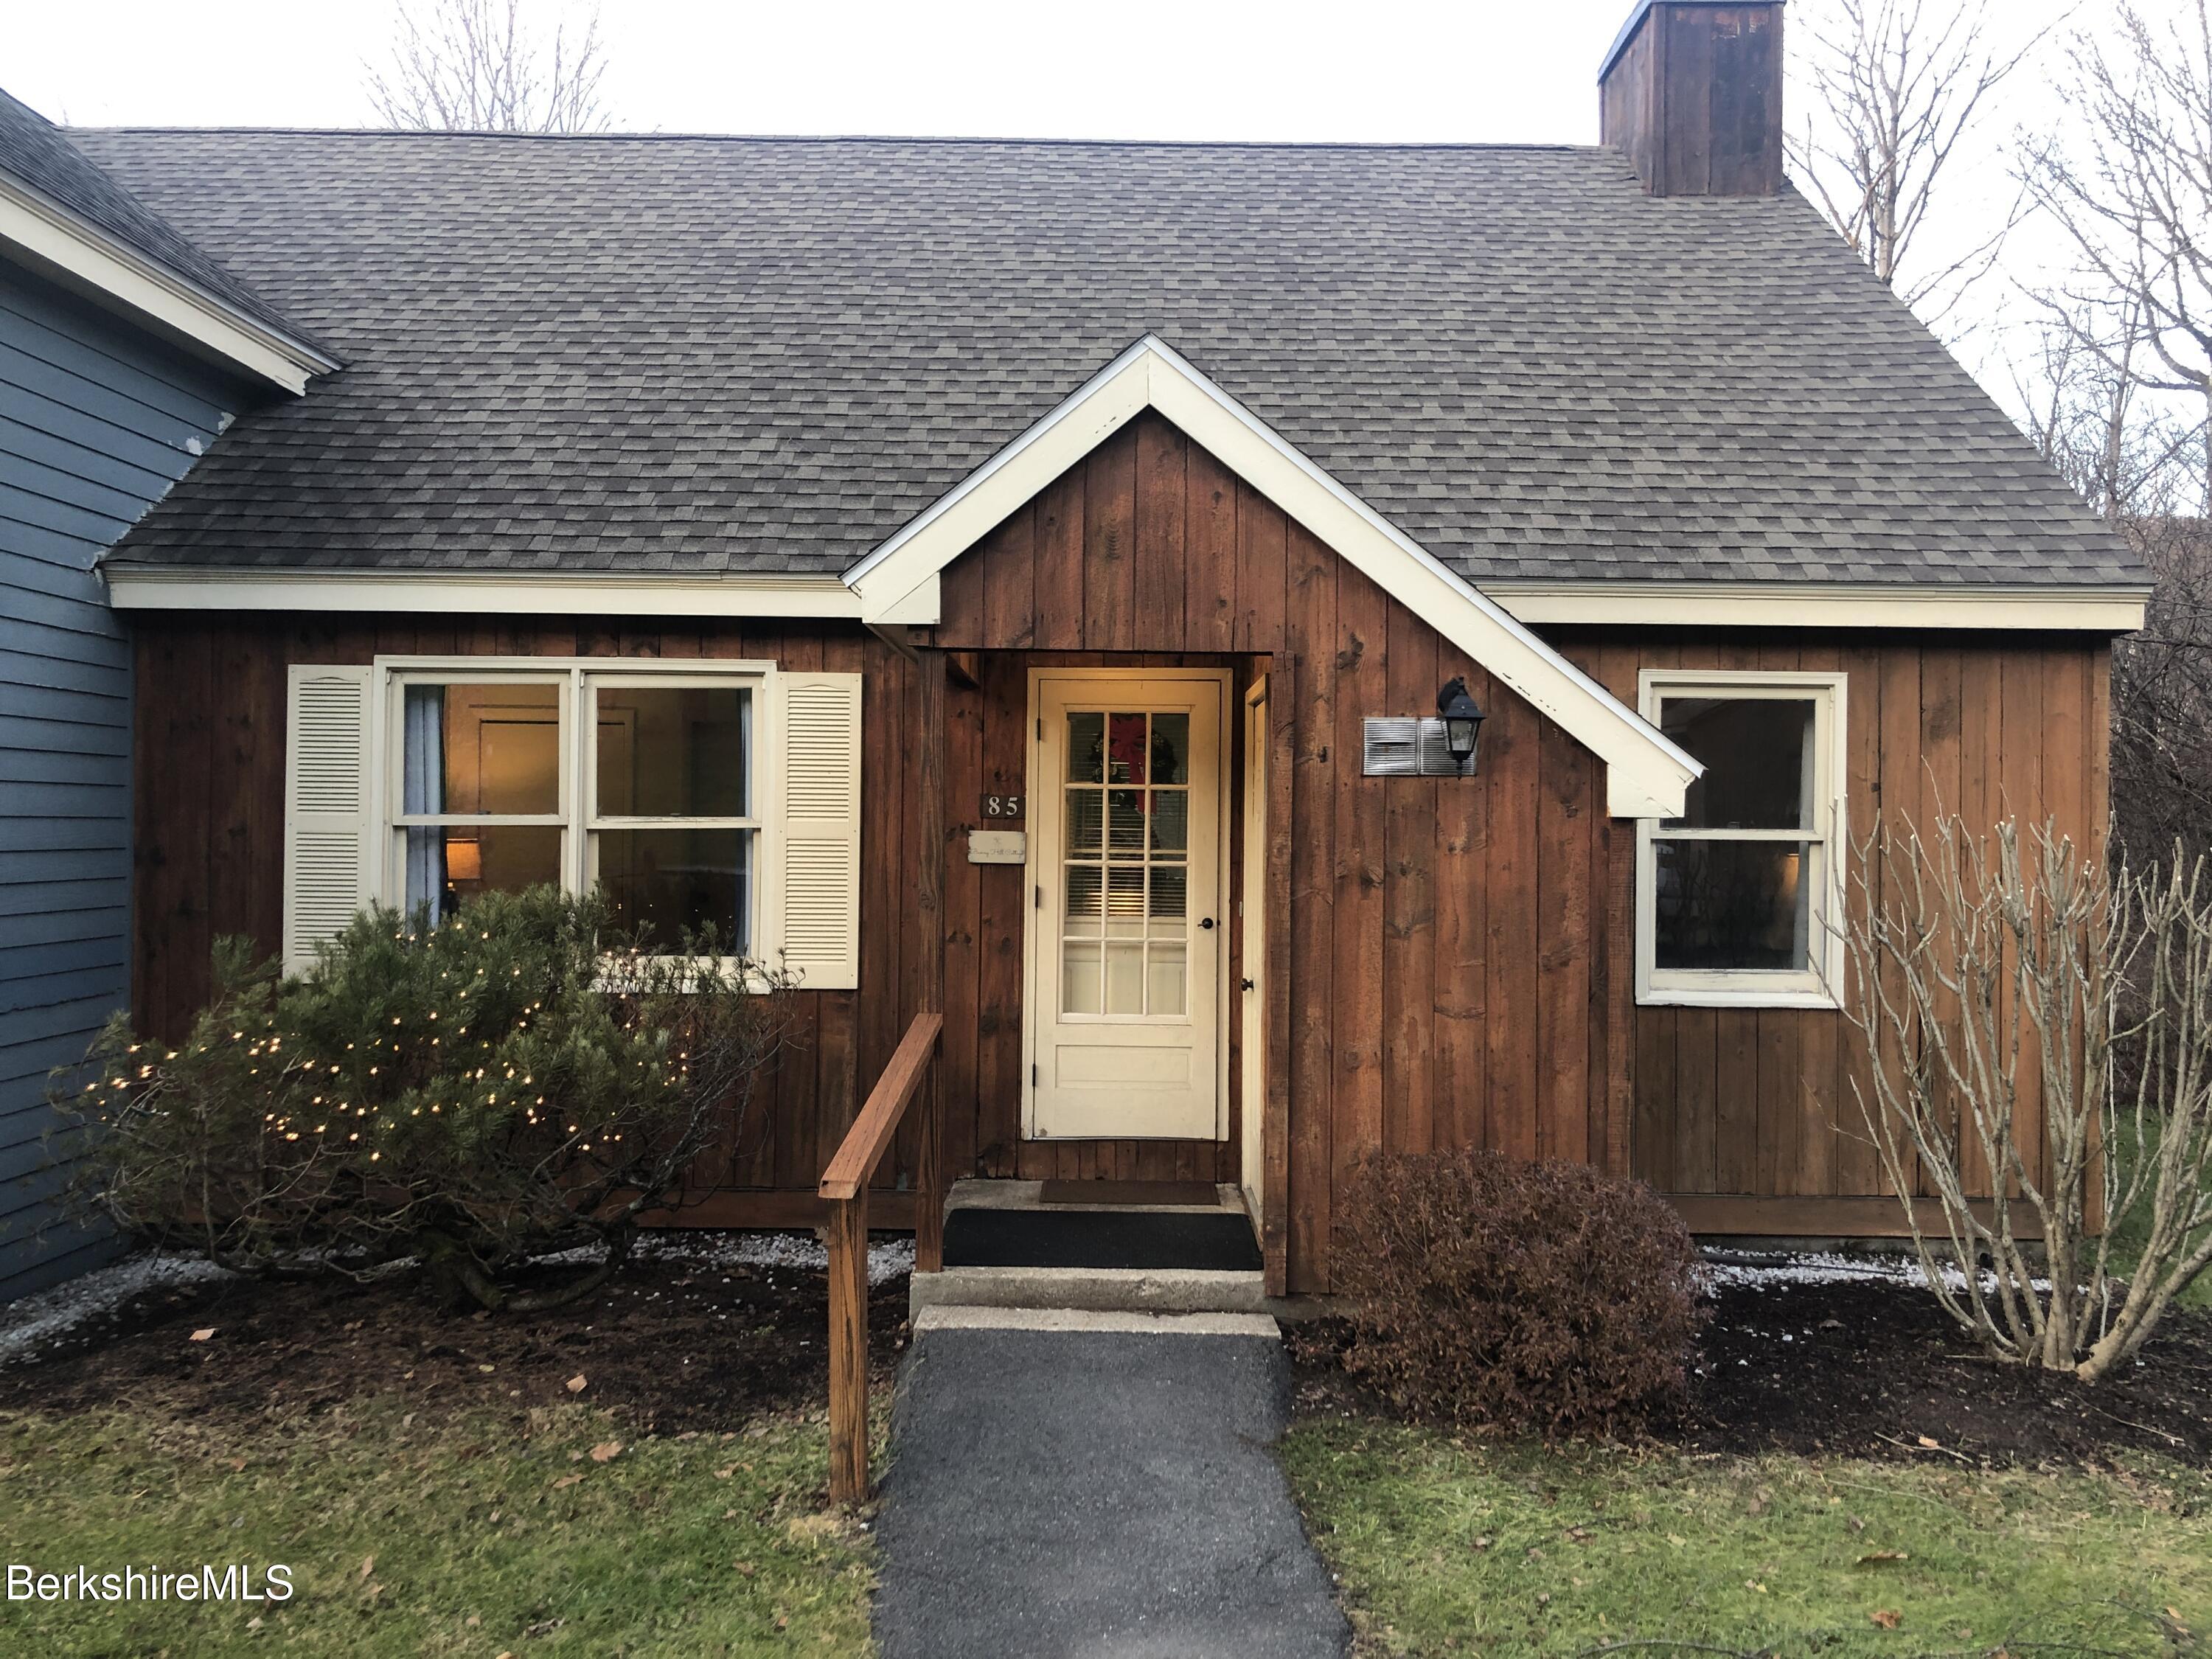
<point x="1408" y="746"/>
<point x="997" y="847"/>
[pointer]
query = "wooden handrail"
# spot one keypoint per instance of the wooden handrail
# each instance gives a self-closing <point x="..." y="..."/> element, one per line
<point x="845" y="1186"/>
<point x="866" y="1142"/>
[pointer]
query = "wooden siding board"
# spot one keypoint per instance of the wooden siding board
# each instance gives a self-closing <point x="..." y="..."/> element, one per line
<point x="1109" y="506"/>
<point x="1356" y="1000"/>
<point x="1311" y="644"/>
<point x="1409" y="903"/>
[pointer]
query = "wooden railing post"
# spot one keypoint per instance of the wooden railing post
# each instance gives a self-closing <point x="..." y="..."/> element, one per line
<point x="849" y="1349"/>
<point x="844" y="1189"/>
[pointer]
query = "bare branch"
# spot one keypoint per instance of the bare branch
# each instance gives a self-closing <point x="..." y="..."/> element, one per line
<point x="472" y="66"/>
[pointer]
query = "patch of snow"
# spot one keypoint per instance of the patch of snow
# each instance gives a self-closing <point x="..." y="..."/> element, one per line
<point x="886" y="1260"/>
<point x="1781" y="1269"/>
<point x="38" y="1321"/>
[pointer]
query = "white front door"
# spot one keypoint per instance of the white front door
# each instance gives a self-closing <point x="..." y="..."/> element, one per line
<point x="1125" y="860"/>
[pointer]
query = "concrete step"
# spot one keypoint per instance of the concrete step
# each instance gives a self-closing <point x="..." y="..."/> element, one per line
<point x="960" y="1317"/>
<point x="1098" y="1290"/>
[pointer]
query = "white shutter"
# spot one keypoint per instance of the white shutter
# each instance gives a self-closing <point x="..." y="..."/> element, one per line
<point x="326" y="793"/>
<point x="817" y="887"/>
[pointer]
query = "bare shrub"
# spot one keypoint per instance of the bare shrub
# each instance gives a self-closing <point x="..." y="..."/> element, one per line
<point x="1997" y="981"/>
<point x="1483" y="1290"/>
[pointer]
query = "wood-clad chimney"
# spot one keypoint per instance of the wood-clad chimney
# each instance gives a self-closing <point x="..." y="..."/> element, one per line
<point x="1692" y="94"/>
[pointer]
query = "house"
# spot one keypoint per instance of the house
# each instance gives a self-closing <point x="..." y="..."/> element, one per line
<point x="1009" y="580"/>
<point x="123" y="351"/>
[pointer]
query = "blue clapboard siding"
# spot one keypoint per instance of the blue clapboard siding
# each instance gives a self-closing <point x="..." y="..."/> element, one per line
<point x="96" y="421"/>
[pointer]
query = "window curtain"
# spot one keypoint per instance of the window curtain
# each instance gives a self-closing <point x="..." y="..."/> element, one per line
<point x="423" y="787"/>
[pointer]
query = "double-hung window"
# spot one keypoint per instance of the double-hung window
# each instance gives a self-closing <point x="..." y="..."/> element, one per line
<point x="695" y="795"/>
<point x="1737" y="900"/>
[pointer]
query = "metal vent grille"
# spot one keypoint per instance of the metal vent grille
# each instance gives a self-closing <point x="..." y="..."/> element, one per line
<point x="1408" y="746"/>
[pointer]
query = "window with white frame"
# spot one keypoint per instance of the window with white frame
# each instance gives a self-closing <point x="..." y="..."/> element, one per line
<point x="694" y="795"/>
<point x="1736" y="898"/>
<point x="642" y="786"/>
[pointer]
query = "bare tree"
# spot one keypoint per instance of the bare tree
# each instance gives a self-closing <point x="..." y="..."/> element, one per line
<point x="1996" y="983"/>
<point x="473" y="66"/>
<point x="2131" y="183"/>
<point x="1897" y="90"/>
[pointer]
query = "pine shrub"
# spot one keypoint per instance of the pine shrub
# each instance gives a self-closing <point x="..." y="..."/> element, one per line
<point x="1484" y="1291"/>
<point x="515" y="1081"/>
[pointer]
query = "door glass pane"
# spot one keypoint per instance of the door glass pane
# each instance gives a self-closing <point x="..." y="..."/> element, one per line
<point x="1086" y="821"/>
<point x="1758" y="754"/>
<point x="1083" y="908"/>
<point x="1125" y="823"/>
<point x="1166" y="978"/>
<point x="1170" y="892"/>
<point x="489" y="749"/>
<point x="1079" y="985"/>
<point x="1171" y="821"/>
<point x="1086" y="749"/>
<point x="1170" y="749"/>
<point x="449" y="865"/>
<point x="1124" y="899"/>
<point x="1124" y="977"/>
<point x="1125" y="749"/>
<point x="1742" y="904"/>
<point x="674" y="751"/>
<point x="679" y="881"/>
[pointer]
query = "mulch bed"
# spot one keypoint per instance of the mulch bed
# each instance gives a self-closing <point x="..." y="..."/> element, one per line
<point x="672" y="1344"/>
<point x="1870" y="1369"/>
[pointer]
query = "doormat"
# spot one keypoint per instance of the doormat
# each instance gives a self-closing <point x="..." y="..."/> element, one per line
<point x="1218" y="1241"/>
<point x="1201" y="1194"/>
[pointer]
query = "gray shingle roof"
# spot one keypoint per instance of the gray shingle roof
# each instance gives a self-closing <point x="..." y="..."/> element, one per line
<point x="40" y="154"/>
<point x="743" y="354"/>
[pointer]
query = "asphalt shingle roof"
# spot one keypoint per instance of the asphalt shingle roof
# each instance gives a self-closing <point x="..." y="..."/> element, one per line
<point x="642" y="355"/>
<point x="40" y="154"/>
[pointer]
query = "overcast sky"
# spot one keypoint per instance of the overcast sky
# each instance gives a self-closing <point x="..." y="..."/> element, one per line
<point x="1480" y="70"/>
<point x="1485" y="71"/>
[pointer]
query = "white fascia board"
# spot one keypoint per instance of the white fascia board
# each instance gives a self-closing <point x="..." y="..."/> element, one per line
<point x="1646" y="774"/>
<point x="48" y="238"/>
<point x="1822" y="604"/>
<point x="138" y="588"/>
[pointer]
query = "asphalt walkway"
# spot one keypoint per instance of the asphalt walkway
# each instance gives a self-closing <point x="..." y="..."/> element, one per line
<point x="1103" y="1488"/>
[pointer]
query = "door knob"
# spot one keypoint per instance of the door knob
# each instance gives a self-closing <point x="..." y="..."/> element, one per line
<point x="1206" y="922"/>
<point x="1248" y="984"/>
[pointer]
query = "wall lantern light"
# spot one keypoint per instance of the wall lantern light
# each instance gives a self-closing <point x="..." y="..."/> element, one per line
<point x="1462" y="722"/>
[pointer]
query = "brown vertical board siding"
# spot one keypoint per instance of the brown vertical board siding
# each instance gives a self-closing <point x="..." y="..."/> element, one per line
<point x="1212" y="493"/>
<point x="1941" y="665"/>
<point x="1459" y="974"/>
<point x="1898" y="790"/>
<point x="1981" y="750"/>
<point x="1563" y="938"/>
<point x="1857" y="1166"/>
<point x="1513" y="741"/>
<point x="1311" y="646"/>
<point x="957" y="1061"/>
<point x="1819" y="1049"/>
<point x="1057" y="537"/>
<point x="1002" y="899"/>
<point x="1409" y="902"/>
<point x="1162" y="505"/>
<point x="1284" y="673"/>
<point x="1356" y="1000"/>
<point x="1110" y="576"/>
<point x="1262" y="555"/>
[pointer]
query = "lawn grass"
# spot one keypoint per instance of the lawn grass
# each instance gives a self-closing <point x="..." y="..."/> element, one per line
<point x="479" y="1536"/>
<point x="1447" y="1547"/>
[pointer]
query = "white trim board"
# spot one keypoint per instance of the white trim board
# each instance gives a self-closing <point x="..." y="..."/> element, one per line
<point x="69" y="249"/>
<point x="1822" y="604"/>
<point x="462" y="592"/>
<point x="1646" y="776"/>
